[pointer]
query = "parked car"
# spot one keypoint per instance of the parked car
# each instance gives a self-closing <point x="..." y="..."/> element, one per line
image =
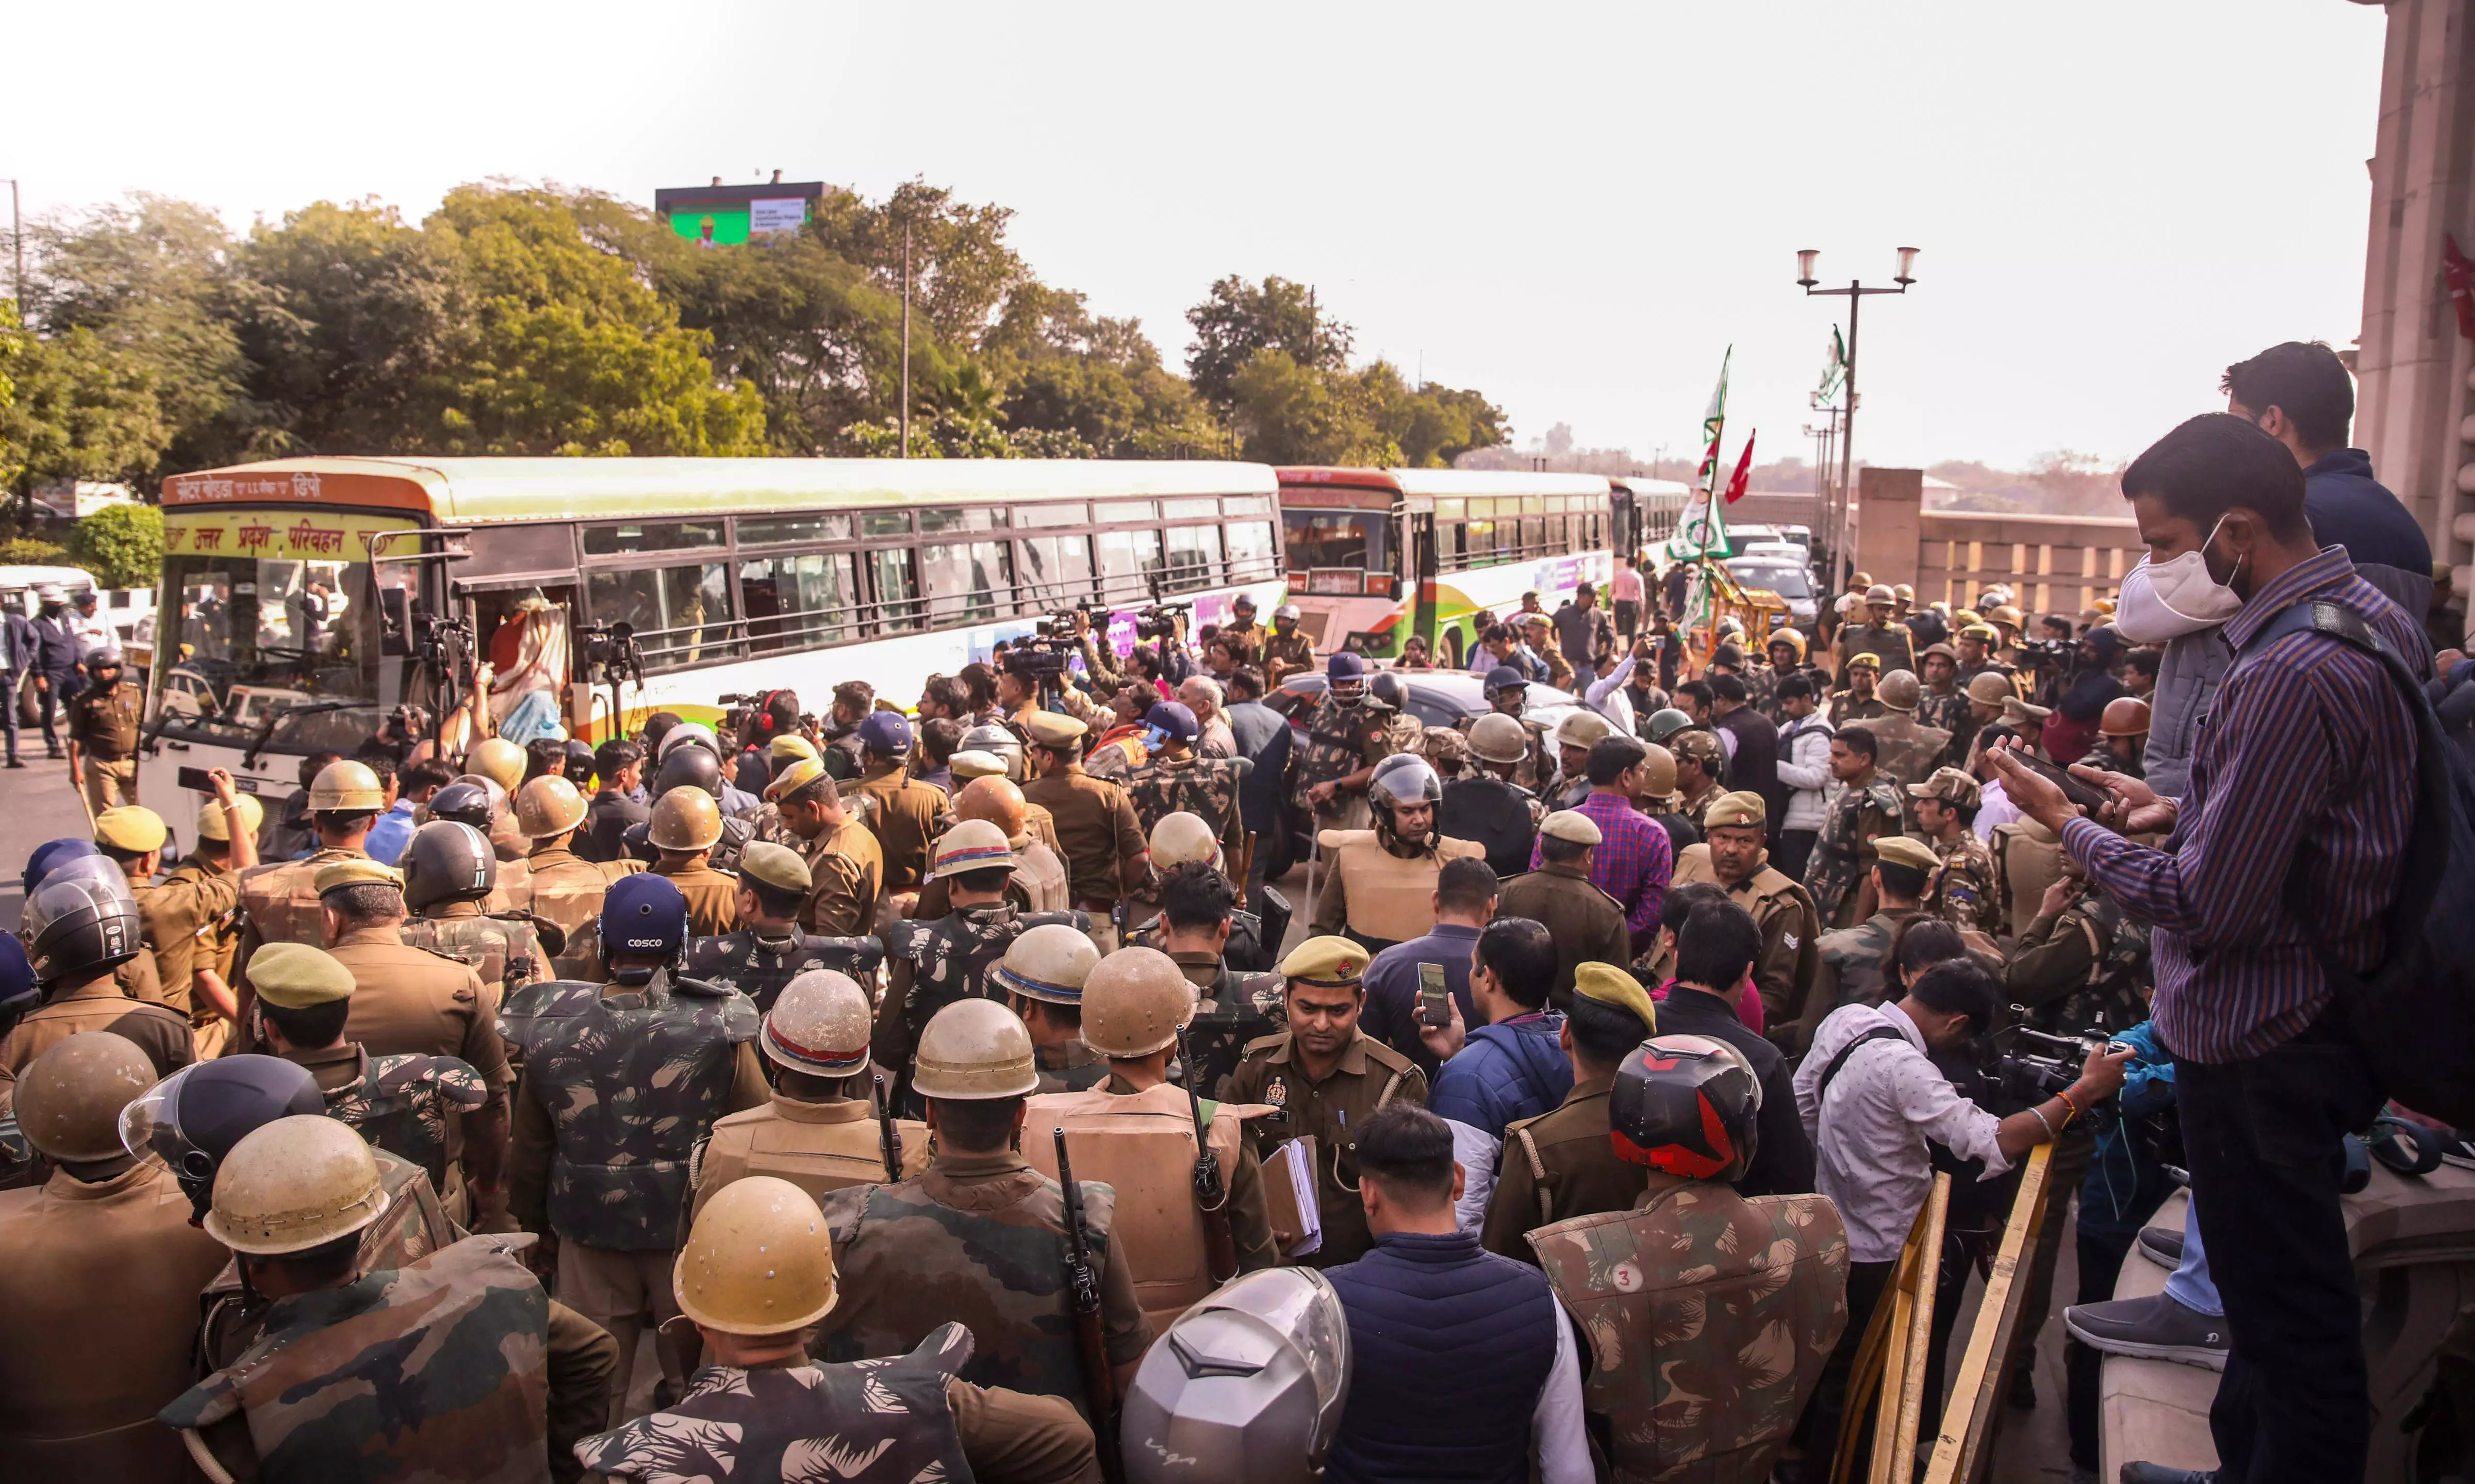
<point x="1789" y="579"/>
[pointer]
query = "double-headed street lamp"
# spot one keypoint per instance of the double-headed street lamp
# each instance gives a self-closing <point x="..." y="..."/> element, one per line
<point x="1854" y="292"/>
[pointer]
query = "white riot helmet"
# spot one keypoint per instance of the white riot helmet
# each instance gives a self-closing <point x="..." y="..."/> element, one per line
<point x="1249" y="1384"/>
<point x="1181" y="837"/>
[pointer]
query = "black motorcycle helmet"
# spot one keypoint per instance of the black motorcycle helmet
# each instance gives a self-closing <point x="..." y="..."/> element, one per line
<point x="192" y="1118"/>
<point x="448" y="861"/>
<point x="577" y="764"/>
<point x="79" y="925"/>
<point x="464" y="803"/>
<point x="689" y="766"/>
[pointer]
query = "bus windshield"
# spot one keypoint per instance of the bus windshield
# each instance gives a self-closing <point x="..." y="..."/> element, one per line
<point x="249" y="639"/>
<point x="1336" y="538"/>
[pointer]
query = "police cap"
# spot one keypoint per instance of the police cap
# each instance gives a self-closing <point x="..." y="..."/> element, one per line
<point x="295" y="976"/>
<point x="777" y="866"/>
<point x="357" y="871"/>
<point x="1951" y="785"/>
<point x="1572" y="825"/>
<point x="1050" y="729"/>
<point x="1328" y="963"/>
<point x="1609" y="984"/>
<point x="131" y="829"/>
<point x="1902" y="850"/>
<point x="1743" y="808"/>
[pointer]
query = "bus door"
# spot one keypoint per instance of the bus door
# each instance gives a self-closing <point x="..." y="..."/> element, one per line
<point x="1626" y="535"/>
<point x="1421" y="564"/>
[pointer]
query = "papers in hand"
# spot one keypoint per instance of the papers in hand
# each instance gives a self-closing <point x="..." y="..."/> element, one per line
<point x="1291" y="1198"/>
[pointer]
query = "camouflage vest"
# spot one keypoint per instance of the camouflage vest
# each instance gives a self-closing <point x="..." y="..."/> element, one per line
<point x="1205" y="788"/>
<point x="282" y="903"/>
<point x="885" y="1422"/>
<point x="400" y="1103"/>
<point x="501" y="951"/>
<point x="632" y="1083"/>
<point x="569" y="893"/>
<point x="1336" y="746"/>
<point x="1907" y="752"/>
<point x="952" y="957"/>
<point x="2110" y="997"/>
<point x="1838" y="860"/>
<point x="1708" y="1318"/>
<point x="439" y="1370"/>
<point x="758" y="967"/>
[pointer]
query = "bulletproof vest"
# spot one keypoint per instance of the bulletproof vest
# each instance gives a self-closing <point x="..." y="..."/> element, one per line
<point x="952" y="956"/>
<point x="569" y="893"/>
<point x="282" y="900"/>
<point x="1390" y="899"/>
<point x="1205" y="788"/>
<point x="358" y="1378"/>
<point x="885" y="1422"/>
<point x="528" y="1012"/>
<point x="1905" y="750"/>
<point x="1708" y="1317"/>
<point x="1040" y="873"/>
<point x="1336" y="745"/>
<point x="500" y="951"/>
<point x="632" y="1083"/>
<point x="760" y="968"/>
<point x="1493" y="815"/>
<point x="2027" y="858"/>
<point x="792" y="1140"/>
<point x="401" y="1104"/>
<point x="1142" y="1146"/>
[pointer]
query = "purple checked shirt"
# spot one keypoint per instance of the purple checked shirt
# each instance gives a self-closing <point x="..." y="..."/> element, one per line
<point x="2304" y="771"/>
<point x="1632" y="862"/>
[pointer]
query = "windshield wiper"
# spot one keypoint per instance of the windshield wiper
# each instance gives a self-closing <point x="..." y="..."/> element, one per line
<point x="267" y="729"/>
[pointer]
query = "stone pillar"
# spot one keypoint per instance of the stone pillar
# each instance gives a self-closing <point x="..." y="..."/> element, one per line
<point x="2411" y="366"/>
<point x="1893" y="500"/>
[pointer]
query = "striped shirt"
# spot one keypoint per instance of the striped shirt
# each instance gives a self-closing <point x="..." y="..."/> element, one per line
<point x="1632" y="862"/>
<point x="2303" y="774"/>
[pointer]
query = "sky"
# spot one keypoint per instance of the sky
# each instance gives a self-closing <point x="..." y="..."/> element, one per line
<point x="1574" y="208"/>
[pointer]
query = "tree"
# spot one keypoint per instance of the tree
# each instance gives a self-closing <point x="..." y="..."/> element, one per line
<point x="80" y="409"/>
<point x="1289" y="413"/>
<point x="1240" y="318"/>
<point x="121" y="545"/>
<point x="962" y="270"/>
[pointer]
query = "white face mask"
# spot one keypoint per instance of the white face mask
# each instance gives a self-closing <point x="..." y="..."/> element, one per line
<point x="2163" y="601"/>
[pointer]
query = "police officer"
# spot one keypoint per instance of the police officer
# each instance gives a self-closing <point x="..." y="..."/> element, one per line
<point x="904" y="814"/>
<point x="845" y="864"/>
<point x="1560" y="1164"/>
<point x="1976" y="641"/>
<point x="279" y="901"/>
<point x="1321" y="1075"/>
<point x="2027" y="860"/>
<point x="561" y="885"/>
<point x="1905" y="750"/>
<point x="1492" y="809"/>
<point x="768" y="950"/>
<point x="1945" y="702"/>
<point x="981" y="1233"/>
<point x="59" y="656"/>
<point x="1379" y="888"/>
<point x="1881" y="635"/>
<point x="1716" y="1393"/>
<point x="290" y="1201"/>
<point x="104" y="722"/>
<point x="1960" y="890"/>
<point x="1861" y="807"/>
<point x="1344" y="740"/>
<point x="1246" y="637"/>
<point x="686" y="826"/>
<point x="449" y="873"/>
<point x="1851" y="958"/>
<point x="1857" y="700"/>
<point x="99" y="1297"/>
<point x="1179" y="779"/>
<point x="1701" y="769"/>
<point x="935" y="962"/>
<point x="1732" y="856"/>
<point x="1287" y="653"/>
<point x="1138" y="1134"/>
<point x="1584" y="921"/>
<point x="2123" y="737"/>
<point x="819" y="1129"/>
<point x="1097" y="830"/>
<point x="1042" y="975"/>
<point x="755" y="1274"/>
<point x="1175" y="840"/>
<point x="1785" y="650"/>
<point x="189" y="915"/>
<point x="80" y="926"/>
<point x="1197" y="928"/>
<point x="613" y="1103"/>
<point x="1040" y="882"/>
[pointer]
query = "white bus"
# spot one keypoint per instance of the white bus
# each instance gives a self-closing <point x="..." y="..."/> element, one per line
<point x="304" y="599"/>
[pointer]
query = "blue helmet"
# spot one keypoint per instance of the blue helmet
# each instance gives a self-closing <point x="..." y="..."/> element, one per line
<point x="18" y="989"/>
<point x="1174" y="719"/>
<point x="1344" y="666"/>
<point x="51" y="853"/>
<point x="886" y="731"/>
<point x="644" y="914"/>
<point x="1504" y="677"/>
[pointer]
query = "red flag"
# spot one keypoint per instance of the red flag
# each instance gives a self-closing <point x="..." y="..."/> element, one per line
<point x="1744" y="470"/>
<point x="2460" y="275"/>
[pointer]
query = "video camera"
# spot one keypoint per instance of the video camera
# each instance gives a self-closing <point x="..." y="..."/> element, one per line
<point x="612" y="648"/>
<point x="2045" y="653"/>
<point x="1162" y="620"/>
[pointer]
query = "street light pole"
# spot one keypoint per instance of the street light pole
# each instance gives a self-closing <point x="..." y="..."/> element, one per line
<point x="906" y="335"/>
<point x="1854" y="292"/>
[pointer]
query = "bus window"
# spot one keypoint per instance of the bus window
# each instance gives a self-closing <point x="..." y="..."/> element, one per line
<point x="803" y="529"/>
<point x="1250" y="551"/>
<point x="976" y="518"/>
<point x="1076" y="514"/>
<point x="681" y="614"/>
<point x="1193" y="556"/>
<point x="1126" y="559"/>
<point x="795" y="601"/>
<point x="966" y="582"/>
<point x="1336" y="538"/>
<point x="898" y="596"/>
<point x="1056" y="570"/>
<point x="1534" y="535"/>
<point x="650" y="536"/>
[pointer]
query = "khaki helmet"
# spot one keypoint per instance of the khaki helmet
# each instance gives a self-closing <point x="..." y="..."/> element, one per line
<point x="1181" y="837"/>
<point x="820" y="1025"/>
<point x="975" y="1051"/>
<point x="549" y="805"/>
<point x="758" y="1261"/>
<point x="1658" y="770"/>
<point x="211" y="817"/>
<point x="69" y="1098"/>
<point x="2124" y="716"/>
<point x="1135" y="1002"/>
<point x="993" y="799"/>
<point x="1899" y="690"/>
<point x="498" y="760"/>
<point x="971" y="845"/>
<point x="295" y="1184"/>
<point x="346" y="787"/>
<point x="685" y="819"/>
<point x="1990" y="688"/>
<point x="1496" y="738"/>
<point x="1048" y="962"/>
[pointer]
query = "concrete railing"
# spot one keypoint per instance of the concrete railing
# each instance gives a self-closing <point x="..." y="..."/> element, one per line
<point x="2056" y="564"/>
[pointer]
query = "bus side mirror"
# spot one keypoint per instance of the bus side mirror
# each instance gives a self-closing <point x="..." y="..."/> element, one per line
<point x="394" y="622"/>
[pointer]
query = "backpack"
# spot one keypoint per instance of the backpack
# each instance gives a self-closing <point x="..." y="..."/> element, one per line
<point x="2414" y="1014"/>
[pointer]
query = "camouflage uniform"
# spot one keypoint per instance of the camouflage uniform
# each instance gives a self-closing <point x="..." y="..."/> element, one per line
<point x="1708" y="1317"/>
<point x="439" y="1370"/>
<point x="1961" y="888"/>
<point x="1072" y="1067"/>
<point x="2082" y="967"/>
<point x="980" y="1239"/>
<point x="1446" y="750"/>
<point x="400" y="1103"/>
<point x="1846" y="709"/>
<point x="1904" y="750"/>
<point x="1341" y="741"/>
<point x="1891" y="642"/>
<point x="1950" y="714"/>
<point x="932" y="964"/>
<point x="1851" y="971"/>
<point x="502" y="948"/>
<point x="759" y="966"/>
<point x="2105" y="755"/>
<point x="1855" y="816"/>
<point x="1205" y="788"/>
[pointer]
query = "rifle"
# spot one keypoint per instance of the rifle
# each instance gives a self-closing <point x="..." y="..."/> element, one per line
<point x="1083" y="1287"/>
<point x="887" y="1140"/>
<point x="1211" y="1198"/>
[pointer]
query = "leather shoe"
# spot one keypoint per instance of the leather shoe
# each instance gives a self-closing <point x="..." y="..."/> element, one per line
<point x="2162" y="1245"/>
<point x="2023" y="1384"/>
<point x="2158" y="1473"/>
<point x="2152" y="1328"/>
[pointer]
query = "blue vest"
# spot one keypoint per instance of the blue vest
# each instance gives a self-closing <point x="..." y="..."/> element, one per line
<point x="1449" y="1348"/>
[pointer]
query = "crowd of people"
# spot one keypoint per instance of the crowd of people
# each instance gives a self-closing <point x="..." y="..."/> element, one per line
<point x="1578" y="1124"/>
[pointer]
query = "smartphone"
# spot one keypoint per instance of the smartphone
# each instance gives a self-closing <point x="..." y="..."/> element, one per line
<point x="196" y="780"/>
<point x="2086" y="797"/>
<point x="1434" y="1001"/>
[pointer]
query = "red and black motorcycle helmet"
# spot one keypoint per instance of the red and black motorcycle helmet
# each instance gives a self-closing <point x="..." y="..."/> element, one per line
<point x="1686" y="1104"/>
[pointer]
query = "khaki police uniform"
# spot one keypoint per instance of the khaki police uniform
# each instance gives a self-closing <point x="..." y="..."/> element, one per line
<point x="278" y="904"/>
<point x="187" y="919"/>
<point x="409" y="999"/>
<point x="2027" y="858"/>
<point x="1097" y="827"/>
<point x="156" y="1030"/>
<point x="713" y="897"/>
<point x="906" y="816"/>
<point x="1585" y="922"/>
<point x="846" y="876"/>
<point x="1784" y="974"/>
<point x="105" y="727"/>
<point x="1558" y="1165"/>
<point x="1286" y="655"/>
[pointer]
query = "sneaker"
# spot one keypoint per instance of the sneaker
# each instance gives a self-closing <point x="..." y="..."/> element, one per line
<point x="2023" y="1384"/>
<point x="2162" y="1245"/>
<point x="2155" y="1328"/>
